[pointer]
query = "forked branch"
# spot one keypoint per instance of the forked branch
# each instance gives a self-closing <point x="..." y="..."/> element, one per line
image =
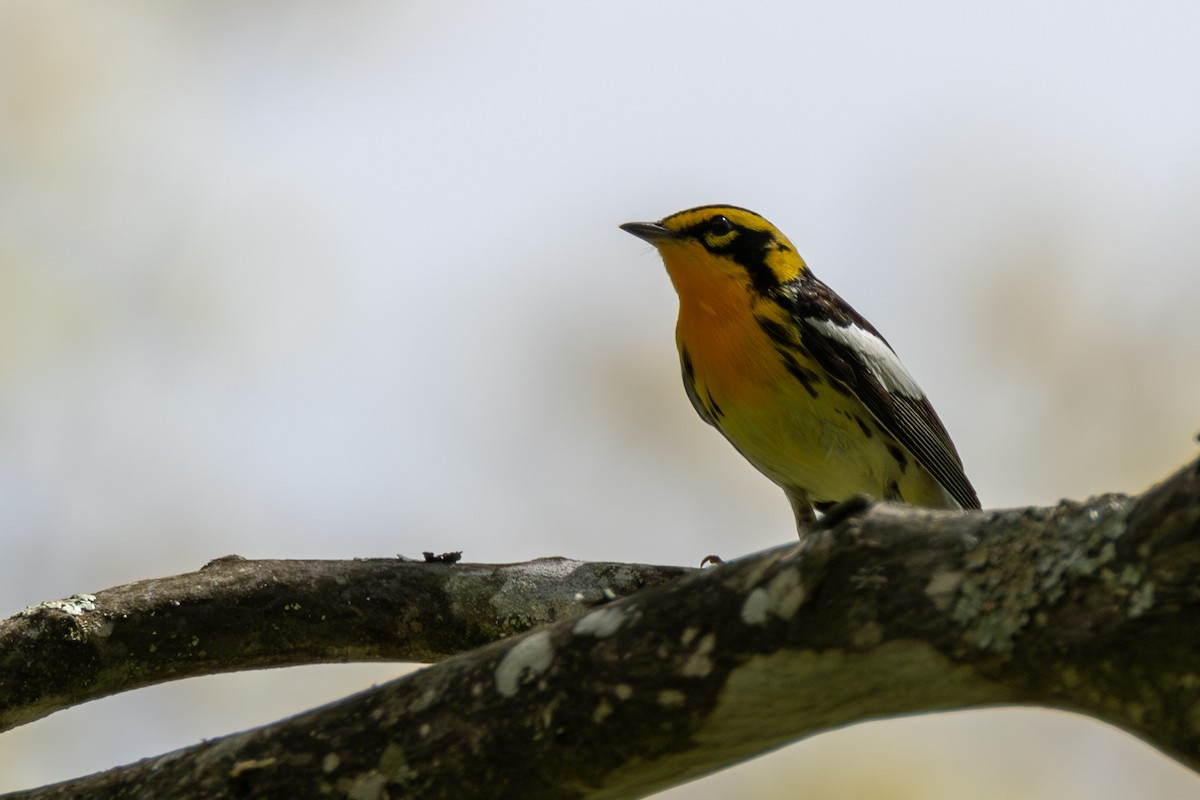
<point x="1091" y="607"/>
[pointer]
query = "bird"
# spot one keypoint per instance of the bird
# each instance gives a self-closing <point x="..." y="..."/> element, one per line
<point x="801" y="384"/>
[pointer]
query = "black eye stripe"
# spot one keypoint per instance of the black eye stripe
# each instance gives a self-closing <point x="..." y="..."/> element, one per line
<point x="716" y="227"/>
<point x="747" y="246"/>
<point x="720" y="225"/>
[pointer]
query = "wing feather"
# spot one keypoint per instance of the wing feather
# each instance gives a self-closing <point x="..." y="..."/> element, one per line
<point x="852" y="352"/>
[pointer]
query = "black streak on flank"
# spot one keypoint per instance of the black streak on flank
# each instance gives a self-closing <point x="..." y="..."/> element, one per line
<point x="714" y="408"/>
<point x="688" y="369"/>
<point x="787" y="346"/>
<point x="776" y="332"/>
<point x="862" y="426"/>
<point x="842" y="389"/>
<point x="708" y="411"/>
<point x="808" y="379"/>
<point x="898" y="454"/>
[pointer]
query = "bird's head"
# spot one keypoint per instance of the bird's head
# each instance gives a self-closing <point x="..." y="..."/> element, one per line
<point x="706" y="247"/>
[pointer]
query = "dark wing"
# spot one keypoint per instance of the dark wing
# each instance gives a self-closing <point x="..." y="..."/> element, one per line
<point x="853" y="353"/>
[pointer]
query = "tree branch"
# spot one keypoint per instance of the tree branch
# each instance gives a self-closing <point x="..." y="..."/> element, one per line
<point x="1089" y="607"/>
<point x="236" y="614"/>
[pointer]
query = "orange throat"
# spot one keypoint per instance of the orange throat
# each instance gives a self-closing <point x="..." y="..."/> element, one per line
<point x="731" y="355"/>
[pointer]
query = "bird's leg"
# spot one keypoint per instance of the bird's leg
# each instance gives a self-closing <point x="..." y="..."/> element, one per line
<point x="802" y="508"/>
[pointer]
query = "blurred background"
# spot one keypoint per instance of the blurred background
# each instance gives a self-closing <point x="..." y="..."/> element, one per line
<point x="309" y="280"/>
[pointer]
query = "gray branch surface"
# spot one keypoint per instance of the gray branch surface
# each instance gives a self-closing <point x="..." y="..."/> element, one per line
<point x="1091" y="607"/>
<point x="235" y="614"/>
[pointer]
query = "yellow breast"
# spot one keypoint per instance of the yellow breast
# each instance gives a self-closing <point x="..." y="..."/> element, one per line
<point x="800" y="435"/>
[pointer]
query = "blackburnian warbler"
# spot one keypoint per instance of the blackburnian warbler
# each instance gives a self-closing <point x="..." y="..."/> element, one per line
<point x="804" y="387"/>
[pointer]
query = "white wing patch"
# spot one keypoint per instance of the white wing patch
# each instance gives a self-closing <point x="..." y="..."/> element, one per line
<point x="875" y="355"/>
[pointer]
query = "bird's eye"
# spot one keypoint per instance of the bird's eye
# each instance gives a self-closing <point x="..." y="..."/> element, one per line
<point x="720" y="226"/>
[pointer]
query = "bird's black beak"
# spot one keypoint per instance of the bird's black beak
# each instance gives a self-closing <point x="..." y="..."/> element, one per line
<point x="652" y="232"/>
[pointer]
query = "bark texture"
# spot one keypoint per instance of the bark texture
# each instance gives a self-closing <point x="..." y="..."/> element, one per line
<point x="1092" y="607"/>
<point x="236" y="614"/>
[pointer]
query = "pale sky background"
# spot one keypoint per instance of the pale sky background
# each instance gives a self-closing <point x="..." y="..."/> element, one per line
<point x="313" y="280"/>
